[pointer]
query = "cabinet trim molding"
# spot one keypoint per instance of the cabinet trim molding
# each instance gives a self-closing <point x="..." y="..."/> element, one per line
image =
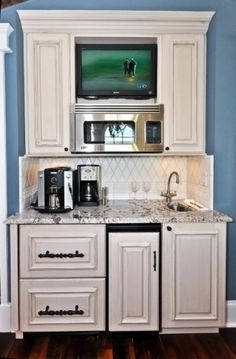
<point x="90" y="22"/>
<point x="5" y="31"/>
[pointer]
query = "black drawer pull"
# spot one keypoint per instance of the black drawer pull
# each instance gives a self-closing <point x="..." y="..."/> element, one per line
<point x="47" y="254"/>
<point x="61" y="312"/>
<point x="154" y="261"/>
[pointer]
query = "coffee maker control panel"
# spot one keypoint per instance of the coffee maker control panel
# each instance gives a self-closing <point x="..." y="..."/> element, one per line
<point x="88" y="173"/>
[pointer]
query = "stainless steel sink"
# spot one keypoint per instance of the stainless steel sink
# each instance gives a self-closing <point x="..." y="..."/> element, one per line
<point x="178" y="207"/>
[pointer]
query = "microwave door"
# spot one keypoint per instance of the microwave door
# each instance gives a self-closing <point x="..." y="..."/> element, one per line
<point x="110" y="136"/>
<point x="94" y="132"/>
<point x="120" y="133"/>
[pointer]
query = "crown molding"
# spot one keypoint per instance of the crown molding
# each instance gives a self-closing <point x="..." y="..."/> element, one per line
<point x="5" y="31"/>
<point x="108" y="22"/>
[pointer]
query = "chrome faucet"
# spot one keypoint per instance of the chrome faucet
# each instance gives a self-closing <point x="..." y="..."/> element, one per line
<point x="169" y="194"/>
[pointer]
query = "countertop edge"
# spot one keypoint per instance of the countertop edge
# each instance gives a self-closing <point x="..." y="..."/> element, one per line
<point x="120" y="212"/>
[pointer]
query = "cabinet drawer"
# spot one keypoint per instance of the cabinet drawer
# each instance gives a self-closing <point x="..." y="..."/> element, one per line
<point x="62" y="305"/>
<point x="48" y="251"/>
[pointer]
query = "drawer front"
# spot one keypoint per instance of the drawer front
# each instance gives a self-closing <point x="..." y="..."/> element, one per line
<point x="48" y="251"/>
<point x="62" y="305"/>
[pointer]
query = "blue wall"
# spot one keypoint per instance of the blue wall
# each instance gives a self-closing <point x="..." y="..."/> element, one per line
<point x="221" y="94"/>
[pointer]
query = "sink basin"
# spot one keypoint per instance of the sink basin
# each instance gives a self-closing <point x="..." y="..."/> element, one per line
<point x="178" y="207"/>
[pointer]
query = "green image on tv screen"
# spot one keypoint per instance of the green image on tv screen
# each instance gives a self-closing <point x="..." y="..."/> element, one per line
<point x="116" y="70"/>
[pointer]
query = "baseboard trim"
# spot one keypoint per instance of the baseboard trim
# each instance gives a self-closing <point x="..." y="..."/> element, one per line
<point x="5" y="317"/>
<point x="231" y="314"/>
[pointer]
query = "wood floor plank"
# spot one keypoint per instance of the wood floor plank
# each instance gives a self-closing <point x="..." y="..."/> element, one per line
<point x="130" y="351"/>
<point x="181" y="346"/>
<point x="123" y="346"/>
<point x="215" y="345"/>
<point x="39" y="347"/>
<point x="21" y="348"/>
<point x="72" y="344"/>
<point x="56" y="347"/>
<point x="6" y="343"/>
<point x="229" y="336"/>
<point x="149" y="347"/>
<point x="119" y="347"/>
<point x="87" y="347"/>
<point x="105" y="347"/>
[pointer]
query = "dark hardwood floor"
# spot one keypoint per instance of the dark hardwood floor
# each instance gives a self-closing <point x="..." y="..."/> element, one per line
<point x="152" y="346"/>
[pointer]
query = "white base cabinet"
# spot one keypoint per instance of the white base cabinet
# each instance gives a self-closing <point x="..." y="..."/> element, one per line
<point x="133" y="281"/>
<point x="58" y="278"/>
<point x="193" y="275"/>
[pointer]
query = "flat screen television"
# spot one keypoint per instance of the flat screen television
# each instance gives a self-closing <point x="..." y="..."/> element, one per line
<point x="121" y="71"/>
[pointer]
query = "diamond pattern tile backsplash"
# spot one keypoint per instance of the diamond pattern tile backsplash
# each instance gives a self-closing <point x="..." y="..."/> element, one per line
<point x="149" y="173"/>
<point x="118" y="173"/>
<point x="200" y="179"/>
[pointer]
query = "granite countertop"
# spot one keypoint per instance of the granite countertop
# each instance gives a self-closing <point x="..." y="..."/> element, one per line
<point x="130" y="211"/>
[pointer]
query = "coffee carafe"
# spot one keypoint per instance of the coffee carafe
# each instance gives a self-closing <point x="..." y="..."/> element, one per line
<point x="53" y="198"/>
<point x="89" y="185"/>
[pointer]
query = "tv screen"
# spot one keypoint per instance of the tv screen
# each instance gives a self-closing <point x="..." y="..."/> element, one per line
<point x="116" y="71"/>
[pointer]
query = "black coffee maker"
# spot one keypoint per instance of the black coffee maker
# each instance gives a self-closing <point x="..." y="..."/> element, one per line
<point x="55" y="189"/>
<point x="89" y="185"/>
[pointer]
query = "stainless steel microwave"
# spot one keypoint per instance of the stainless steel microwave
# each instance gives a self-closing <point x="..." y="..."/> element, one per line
<point x="117" y="129"/>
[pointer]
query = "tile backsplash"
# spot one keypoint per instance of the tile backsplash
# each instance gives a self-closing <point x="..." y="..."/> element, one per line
<point x="28" y="180"/>
<point x="200" y="179"/>
<point x="119" y="174"/>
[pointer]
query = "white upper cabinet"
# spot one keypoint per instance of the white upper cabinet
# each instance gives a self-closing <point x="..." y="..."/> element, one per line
<point x="49" y="56"/>
<point x="47" y="89"/>
<point x="183" y="81"/>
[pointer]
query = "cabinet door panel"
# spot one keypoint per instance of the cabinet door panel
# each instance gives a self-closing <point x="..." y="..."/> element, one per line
<point x="184" y="92"/>
<point x="195" y="265"/>
<point x="133" y="282"/>
<point x="193" y="277"/>
<point x="47" y="93"/>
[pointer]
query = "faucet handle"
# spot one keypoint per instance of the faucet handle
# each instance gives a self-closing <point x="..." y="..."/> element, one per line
<point x="168" y="195"/>
<point x="163" y="193"/>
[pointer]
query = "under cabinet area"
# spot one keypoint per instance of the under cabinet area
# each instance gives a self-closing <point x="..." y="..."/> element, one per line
<point x="193" y="276"/>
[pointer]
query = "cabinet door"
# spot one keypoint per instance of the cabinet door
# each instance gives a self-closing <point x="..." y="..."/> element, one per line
<point x="47" y="93"/>
<point x="133" y="281"/>
<point x="193" y="275"/>
<point x="183" y="89"/>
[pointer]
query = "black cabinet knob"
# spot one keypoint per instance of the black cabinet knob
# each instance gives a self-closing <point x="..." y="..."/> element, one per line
<point x="167" y="148"/>
<point x="66" y="149"/>
<point x="169" y="228"/>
